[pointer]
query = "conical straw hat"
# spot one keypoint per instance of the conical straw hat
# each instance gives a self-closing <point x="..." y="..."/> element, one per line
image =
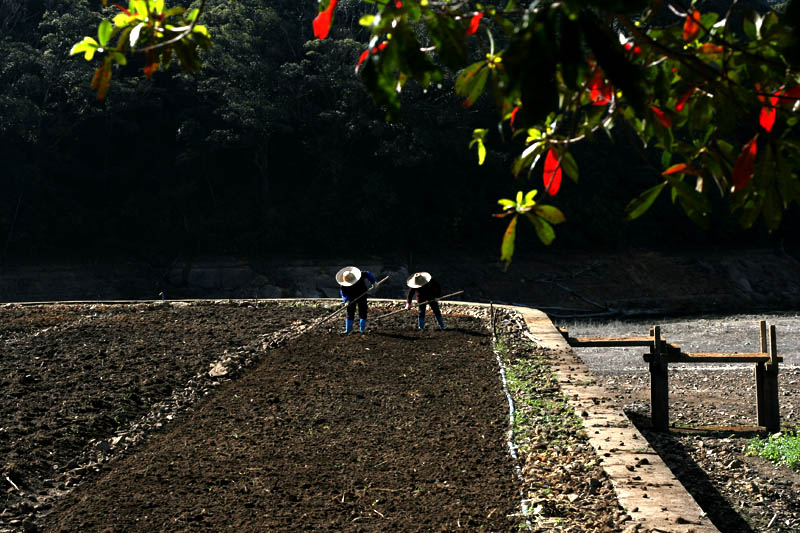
<point x="418" y="279"/>
<point x="348" y="276"/>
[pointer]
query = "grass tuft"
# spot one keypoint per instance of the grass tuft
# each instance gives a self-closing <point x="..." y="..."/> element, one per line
<point x="782" y="448"/>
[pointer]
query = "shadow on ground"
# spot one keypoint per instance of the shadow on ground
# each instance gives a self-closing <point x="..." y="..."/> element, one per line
<point x="691" y="475"/>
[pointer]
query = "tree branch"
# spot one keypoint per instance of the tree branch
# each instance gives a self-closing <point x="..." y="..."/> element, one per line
<point x="181" y="35"/>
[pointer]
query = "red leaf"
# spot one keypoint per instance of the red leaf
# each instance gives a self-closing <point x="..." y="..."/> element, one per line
<point x="322" y="22"/>
<point x="637" y="51"/>
<point x="711" y="48"/>
<point x="745" y="164"/>
<point x="600" y="91"/>
<point x="680" y="167"/>
<point x="365" y="53"/>
<point x="768" y="113"/>
<point x="362" y="58"/>
<point x="691" y="27"/>
<point x="661" y="117"/>
<point x="767" y="117"/>
<point x="552" y="172"/>
<point x="683" y="99"/>
<point x="151" y="64"/>
<point x="398" y="4"/>
<point x="791" y="96"/>
<point x="760" y="93"/>
<point x="514" y="115"/>
<point x="474" y="23"/>
<point x="101" y="80"/>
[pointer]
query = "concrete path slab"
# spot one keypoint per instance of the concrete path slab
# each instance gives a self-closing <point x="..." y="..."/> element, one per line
<point x="645" y="486"/>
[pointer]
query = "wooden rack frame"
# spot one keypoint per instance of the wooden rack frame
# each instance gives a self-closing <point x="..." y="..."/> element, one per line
<point x="662" y="353"/>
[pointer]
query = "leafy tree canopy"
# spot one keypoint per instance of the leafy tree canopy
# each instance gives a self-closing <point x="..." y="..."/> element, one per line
<point x="712" y="86"/>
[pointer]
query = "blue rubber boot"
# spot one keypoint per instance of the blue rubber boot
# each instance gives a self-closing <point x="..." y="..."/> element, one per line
<point x="362" y="325"/>
<point x="421" y="323"/>
<point x="440" y="320"/>
<point x="348" y="326"/>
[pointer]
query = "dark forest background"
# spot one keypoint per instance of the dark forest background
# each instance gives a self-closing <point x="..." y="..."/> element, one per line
<point x="276" y="148"/>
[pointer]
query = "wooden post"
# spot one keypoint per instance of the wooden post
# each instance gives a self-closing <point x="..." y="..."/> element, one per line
<point x="659" y="383"/>
<point x="760" y="372"/>
<point x="772" y="418"/>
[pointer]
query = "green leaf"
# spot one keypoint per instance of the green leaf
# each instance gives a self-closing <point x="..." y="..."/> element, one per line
<point x="709" y="18"/>
<point x="688" y="195"/>
<point x="750" y="211"/>
<point x="88" y="46"/>
<point x="750" y="29"/>
<point x="171" y="12"/>
<point x="529" y="157"/>
<point x="788" y="185"/>
<point x="450" y="40"/>
<point x="544" y="230"/>
<point x="471" y="81"/>
<point x="409" y="57"/>
<point x="569" y="166"/>
<point x="120" y="19"/>
<point x="773" y="210"/>
<point x="138" y="6"/>
<point x="366" y="20"/>
<point x="104" y="32"/>
<point x="529" y="197"/>
<point x="119" y="58"/>
<point x="507" y="248"/>
<point x="638" y="206"/>
<point x="477" y="138"/>
<point x="550" y="213"/>
<point x="727" y="150"/>
<point x="481" y="152"/>
<point x="506" y="203"/>
<point x="202" y="30"/>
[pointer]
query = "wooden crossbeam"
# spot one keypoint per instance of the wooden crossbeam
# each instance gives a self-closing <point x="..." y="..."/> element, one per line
<point x="589" y="342"/>
<point x="723" y="358"/>
<point x="661" y="354"/>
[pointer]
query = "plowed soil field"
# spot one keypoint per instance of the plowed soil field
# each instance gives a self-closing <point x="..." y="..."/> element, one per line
<point x="141" y="418"/>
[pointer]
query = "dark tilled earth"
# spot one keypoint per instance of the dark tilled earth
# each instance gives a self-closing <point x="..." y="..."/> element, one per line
<point x="217" y="416"/>
<point x="221" y="416"/>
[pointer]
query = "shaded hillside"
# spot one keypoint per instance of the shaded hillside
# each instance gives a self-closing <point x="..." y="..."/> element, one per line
<point x="275" y="146"/>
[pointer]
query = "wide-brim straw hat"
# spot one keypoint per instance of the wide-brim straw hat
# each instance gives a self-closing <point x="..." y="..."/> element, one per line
<point x="348" y="276"/>
<point x="418" y="280"/>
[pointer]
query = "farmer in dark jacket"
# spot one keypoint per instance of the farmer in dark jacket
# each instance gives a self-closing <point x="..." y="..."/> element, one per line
<point x="427" y="290"/>
<point x="353" y="283"/>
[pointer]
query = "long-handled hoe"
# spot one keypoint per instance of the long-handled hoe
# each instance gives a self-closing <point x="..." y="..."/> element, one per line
<point x="421" y="303"/>
<point x="343" y="307"/>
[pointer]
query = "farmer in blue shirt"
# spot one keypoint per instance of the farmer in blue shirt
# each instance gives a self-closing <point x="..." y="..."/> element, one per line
<point x="427" y="290"/>
<point x="354" y="293"/>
